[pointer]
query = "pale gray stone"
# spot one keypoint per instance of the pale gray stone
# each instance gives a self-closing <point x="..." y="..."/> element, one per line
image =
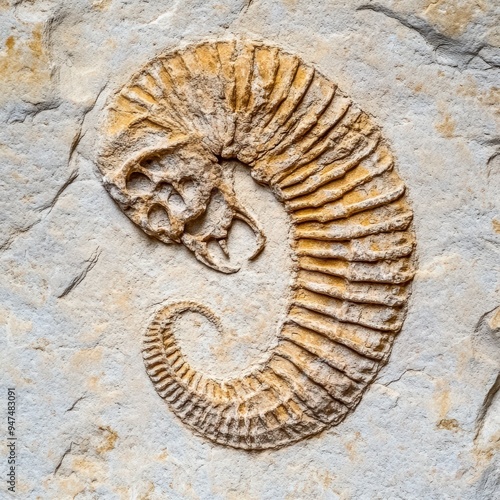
<point x="81" y="283"/>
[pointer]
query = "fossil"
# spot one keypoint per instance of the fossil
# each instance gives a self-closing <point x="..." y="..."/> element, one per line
<point x="167" y="133"/>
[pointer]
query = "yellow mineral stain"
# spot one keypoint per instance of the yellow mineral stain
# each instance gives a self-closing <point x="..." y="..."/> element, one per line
<point x="86" y="466"/>
<point x="450" y="424"/>
<point x="147" y="495"/>
<point x="24" y="64"/>
<point x="69" y="487"/>
<point x="486" y="447"/>
<point x="442" y="399"/>
<point x="418" y="87"/>
<point x="491" y="99"/>
<point x="27" y="198"/>
<point x="496" y="225"/>
<point x="85" y="357"/>
<point x="327" y="479"/>
<point x="451" y="17"/>
<point x="446" y="127"/>
<point x="40" y="344"/>
<point x="494" y="321"/>
<point x="93" y="383"/>
<point x="18" y="326"/>
<point x="101" y="4"/>
<point x="35" y="44"/>
<point x="110" y="436"/>
<point x="10" y="42"/>
<point x="18" y="177"/>
<point x="468" y="87"/>
<point x="112" y="43"/>
<point x="4" y="314"/>
<point x="351" y="446"/>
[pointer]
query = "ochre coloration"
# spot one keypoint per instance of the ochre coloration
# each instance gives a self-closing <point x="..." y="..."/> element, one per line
<point x="167" y="135"/>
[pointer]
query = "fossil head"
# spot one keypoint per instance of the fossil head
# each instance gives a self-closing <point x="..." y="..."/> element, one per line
<point x="183" y="194"/>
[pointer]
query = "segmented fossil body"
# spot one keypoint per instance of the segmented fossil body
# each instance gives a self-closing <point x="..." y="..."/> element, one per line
<point x="167" y="133"/>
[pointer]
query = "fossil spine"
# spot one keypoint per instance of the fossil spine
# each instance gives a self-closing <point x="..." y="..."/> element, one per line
<point x="326" y="161"/>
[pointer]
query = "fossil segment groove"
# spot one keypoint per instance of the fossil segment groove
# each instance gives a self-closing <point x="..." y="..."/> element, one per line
<point x="167" y="134"/>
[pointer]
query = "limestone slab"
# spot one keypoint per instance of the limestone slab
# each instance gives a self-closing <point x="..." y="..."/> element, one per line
<point x="81" y="282"/>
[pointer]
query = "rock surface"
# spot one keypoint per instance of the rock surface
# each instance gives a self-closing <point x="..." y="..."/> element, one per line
<point x="81" y="283"/>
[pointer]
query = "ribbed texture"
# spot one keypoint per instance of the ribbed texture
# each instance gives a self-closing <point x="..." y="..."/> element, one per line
<point x="328" y="164"/>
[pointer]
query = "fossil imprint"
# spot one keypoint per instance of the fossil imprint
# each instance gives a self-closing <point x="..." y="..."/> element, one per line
<point x="167" y="134"/>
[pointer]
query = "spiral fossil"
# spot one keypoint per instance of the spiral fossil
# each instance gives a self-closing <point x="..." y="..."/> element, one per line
<point x="167" y="133"/>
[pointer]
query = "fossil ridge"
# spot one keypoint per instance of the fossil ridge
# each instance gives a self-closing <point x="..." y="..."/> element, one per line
<point x="167" y="134"/>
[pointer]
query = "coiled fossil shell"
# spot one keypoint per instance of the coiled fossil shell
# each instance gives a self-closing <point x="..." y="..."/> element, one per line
<point x="167" y="133"/>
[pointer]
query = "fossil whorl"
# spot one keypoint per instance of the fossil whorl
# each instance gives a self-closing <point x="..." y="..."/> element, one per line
<point x="167" y="134"/>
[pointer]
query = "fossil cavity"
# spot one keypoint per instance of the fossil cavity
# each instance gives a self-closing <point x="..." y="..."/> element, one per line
<point x="167" y="133"/>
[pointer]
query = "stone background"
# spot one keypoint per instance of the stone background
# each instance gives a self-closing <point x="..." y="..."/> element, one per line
<point x="80" y="283"/>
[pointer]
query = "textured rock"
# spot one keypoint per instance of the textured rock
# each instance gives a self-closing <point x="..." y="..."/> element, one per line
<point x="82" y="283"/>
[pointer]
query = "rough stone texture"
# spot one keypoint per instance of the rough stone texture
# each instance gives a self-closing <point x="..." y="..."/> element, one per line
<point x="81" y="282"/>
